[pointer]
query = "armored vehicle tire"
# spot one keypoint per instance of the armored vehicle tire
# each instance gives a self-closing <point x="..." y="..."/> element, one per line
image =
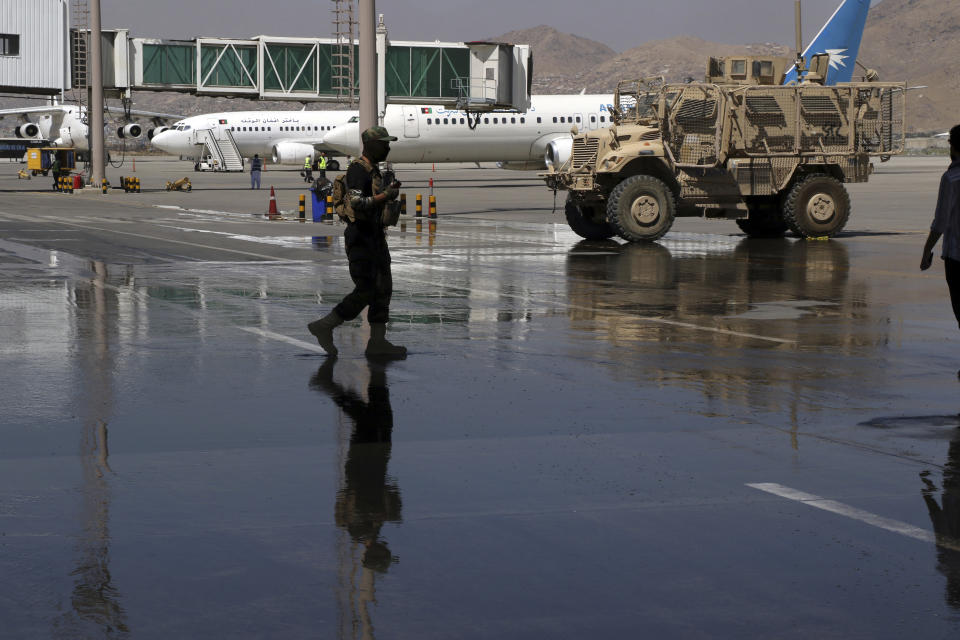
<point x="641" y="208"/>
<point x="584" y="225"/>
<point x="816" y="206"/>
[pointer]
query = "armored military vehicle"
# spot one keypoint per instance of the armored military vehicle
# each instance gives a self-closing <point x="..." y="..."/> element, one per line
<point x="739" y="146"/>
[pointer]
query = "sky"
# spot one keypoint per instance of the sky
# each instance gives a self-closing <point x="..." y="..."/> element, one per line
<point x="620" y="24"/>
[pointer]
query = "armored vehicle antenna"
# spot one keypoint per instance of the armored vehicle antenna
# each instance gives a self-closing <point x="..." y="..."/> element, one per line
<point x="800" y="63"/>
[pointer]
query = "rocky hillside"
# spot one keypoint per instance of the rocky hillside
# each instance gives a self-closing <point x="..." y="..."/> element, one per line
<point x="918" y="41"/>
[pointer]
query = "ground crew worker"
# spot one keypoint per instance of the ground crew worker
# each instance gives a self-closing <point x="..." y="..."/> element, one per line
<point x="367" y="251"/>
<point x="255" y="166"/>
<point x="308" y="169"/>
<point x="322" y="164"/>
<point x="946" y="223"/>
<point x="55" y="170"/>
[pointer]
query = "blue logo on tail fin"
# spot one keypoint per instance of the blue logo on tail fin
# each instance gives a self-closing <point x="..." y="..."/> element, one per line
<point x="840" y="39"/>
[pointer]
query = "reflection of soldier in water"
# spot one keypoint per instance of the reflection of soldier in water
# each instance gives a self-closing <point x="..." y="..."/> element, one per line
<point x="368" y="498"/>
<point x="945" y="517"/>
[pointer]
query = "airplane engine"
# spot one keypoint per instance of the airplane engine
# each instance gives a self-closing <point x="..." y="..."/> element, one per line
<point x="558" y="153"/>
<point x="530" y="165"/>
<point x="291" y="153"/>
<point x="155" y="131"/>
<point x="29" y="130"/>
<point x="132" y="130"/>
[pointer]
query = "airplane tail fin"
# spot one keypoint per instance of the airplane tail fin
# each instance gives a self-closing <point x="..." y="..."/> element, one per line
<point x="840" y="39"/>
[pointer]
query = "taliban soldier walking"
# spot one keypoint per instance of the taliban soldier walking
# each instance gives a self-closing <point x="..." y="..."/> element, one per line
<point x="365" y="206"/>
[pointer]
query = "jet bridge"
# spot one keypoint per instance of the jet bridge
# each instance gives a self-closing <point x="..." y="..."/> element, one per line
<point x="477" y="75"/>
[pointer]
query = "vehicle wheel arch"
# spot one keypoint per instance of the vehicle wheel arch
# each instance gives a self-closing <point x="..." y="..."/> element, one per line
<point x="651" y="166"/>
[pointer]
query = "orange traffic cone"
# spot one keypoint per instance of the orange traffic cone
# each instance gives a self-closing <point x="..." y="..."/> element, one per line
<point x="272" y="212"/>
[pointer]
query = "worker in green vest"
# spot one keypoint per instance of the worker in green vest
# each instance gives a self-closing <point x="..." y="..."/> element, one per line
<point x="322" y="164"/>
<point x="308" y="169"/>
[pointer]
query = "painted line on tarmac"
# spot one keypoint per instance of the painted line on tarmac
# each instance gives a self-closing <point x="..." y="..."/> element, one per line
<point x="845" y="510"/>
<point x="169" y="240"/>
<point x="282" y="338"/>
<point x="663" y="321"/>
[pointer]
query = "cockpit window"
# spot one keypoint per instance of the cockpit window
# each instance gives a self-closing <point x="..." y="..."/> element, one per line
<point x="354" y="119"/>
<point x="186" y="127"/>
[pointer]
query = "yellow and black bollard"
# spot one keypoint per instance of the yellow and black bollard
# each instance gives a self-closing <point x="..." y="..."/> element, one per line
<point x="136" y="182"/>
<point x="419" y="206"/>
<point x="69" y="184"/>
<point x="303" y="208"/>
<point x="103" y="185"/>
<point x="433" y="208"/>
<point x="403" y="204"/>
<point x="328" y="216"/>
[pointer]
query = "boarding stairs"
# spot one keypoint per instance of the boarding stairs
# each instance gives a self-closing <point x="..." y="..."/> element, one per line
<point x="221" y="147"/>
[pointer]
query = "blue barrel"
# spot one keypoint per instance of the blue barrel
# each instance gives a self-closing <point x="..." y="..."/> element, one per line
<point x="319" y="206"/>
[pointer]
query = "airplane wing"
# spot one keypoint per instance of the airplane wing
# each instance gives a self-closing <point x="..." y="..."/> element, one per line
<point x="942" y="135"/>
<point x="157" y="117"/>
<point x="49" y="110"/>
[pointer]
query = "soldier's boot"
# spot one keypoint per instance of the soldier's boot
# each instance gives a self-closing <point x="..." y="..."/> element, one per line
<point x="322" y="330"/>
<point x="379" y="347"/>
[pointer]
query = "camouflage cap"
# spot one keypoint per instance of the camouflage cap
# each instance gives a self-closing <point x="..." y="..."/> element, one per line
<point x="376" y="133"/>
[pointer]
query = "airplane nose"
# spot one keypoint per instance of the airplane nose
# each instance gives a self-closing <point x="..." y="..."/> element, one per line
<point x="169" y="141"/>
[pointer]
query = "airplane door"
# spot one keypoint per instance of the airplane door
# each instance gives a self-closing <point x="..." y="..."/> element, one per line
<point x="411" y="123"/>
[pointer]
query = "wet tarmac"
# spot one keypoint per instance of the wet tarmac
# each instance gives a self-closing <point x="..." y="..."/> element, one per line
<point x="708" y="437"/>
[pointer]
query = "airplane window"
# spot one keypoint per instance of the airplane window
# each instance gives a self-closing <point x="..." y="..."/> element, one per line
<point x="554" y="118"/>
<point x="429" y="120"/>
<point x="186" y="127"/>
<point x="578" y="118"/>
<point x="495" y="121"/>
<point x="563" y="118"/>
<point x="486" y="121"/>
<point x="315" y="129"/>
<point x="523" y="120"/>
<point x="445" y="121"/>
<point x="593" y="118"/>
<point x="462" y="121"/>
<point x="513" y="121"/>
<point x="603" y="118"/>
<point x="539" y="120"/>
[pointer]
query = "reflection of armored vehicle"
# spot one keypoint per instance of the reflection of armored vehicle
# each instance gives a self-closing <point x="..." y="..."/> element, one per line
<point x="738" y="147"/>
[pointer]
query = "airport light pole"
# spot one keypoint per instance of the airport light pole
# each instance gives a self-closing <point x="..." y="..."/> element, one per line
<point x="368" y="64"/>
<point x="95" y="108"/>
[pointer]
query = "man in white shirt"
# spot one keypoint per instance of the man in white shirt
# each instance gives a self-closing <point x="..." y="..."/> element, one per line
<point x="946" y="223"/>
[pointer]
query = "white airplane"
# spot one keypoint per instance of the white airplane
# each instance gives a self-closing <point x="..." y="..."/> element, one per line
<point x="66" y="125"/>
<point x="524" y="141"/>
<point x="286" y="137"/>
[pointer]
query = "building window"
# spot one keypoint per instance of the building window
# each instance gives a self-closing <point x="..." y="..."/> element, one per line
<point x="9" y="44"/>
